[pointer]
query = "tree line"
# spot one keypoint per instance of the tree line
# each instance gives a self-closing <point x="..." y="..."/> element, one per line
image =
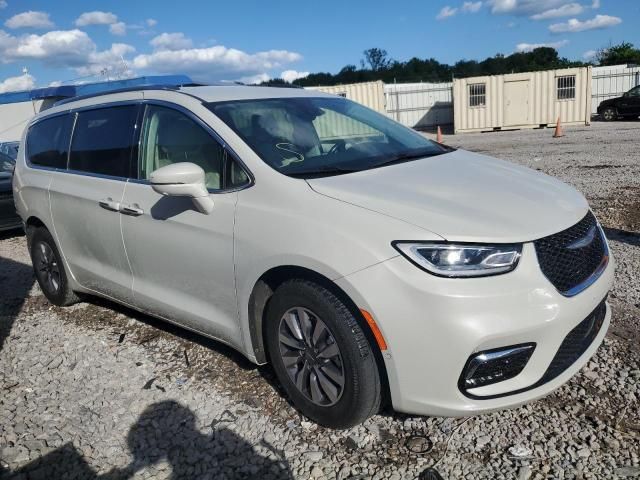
<point x="377" y="65"/>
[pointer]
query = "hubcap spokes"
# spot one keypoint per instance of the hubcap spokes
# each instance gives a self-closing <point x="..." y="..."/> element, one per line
<point x="48" y="269"/>
<point x="311" y="356"/>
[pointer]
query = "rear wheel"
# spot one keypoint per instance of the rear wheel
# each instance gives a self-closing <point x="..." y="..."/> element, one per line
<point x="321" y="355"/>
<point x="609" y="114"/>
<point x="49" y="268"/>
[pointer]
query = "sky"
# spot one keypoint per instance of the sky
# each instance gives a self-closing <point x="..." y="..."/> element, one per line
<point x="43" y="42"/>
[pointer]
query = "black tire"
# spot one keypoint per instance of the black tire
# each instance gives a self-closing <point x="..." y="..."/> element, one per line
<point x="609" y="114"/>
<point x="361" y="391"/>
<point x="49" y="268"/>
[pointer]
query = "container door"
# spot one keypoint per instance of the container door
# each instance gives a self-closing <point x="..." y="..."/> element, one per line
<point x="516" y="103"/>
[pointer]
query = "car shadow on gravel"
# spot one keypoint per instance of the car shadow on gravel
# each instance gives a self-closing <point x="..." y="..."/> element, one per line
<point x="188" y="337"/>
<point x="166" y="433"/>
<point x="624" y="236"/>
<point x="16" y="280"/>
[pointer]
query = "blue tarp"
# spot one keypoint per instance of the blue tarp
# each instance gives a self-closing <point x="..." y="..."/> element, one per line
<point x="68" y="91"/>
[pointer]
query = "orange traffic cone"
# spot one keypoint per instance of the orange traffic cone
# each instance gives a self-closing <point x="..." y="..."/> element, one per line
<point x="558" y="133"/>
<point x="439" y="138"/>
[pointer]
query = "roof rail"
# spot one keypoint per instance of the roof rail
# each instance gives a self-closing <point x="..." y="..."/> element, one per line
<point x="118" y="90"/>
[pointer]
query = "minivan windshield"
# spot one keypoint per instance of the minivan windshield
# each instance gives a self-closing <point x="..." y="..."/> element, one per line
<point x="308" y="136"/>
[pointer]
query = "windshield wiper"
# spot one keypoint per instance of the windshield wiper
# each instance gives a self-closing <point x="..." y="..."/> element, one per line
<point x="403" y="157"/>
<point x="322" y="171"/>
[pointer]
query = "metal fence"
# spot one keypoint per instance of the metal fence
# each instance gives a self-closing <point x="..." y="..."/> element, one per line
<point x="611" y="82"/>
<point x="420" y="105"/>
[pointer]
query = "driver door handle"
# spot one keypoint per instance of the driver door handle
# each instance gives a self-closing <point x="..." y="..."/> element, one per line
<point x="132" y="210"/>
<point x="109" y="204"/>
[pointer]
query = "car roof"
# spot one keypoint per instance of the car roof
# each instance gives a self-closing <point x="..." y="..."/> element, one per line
<point x="206" y="94"/>
<point x="242" y="92"/>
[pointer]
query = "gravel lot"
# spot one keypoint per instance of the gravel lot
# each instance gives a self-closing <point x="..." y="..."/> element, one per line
<point x="99" y="391"/>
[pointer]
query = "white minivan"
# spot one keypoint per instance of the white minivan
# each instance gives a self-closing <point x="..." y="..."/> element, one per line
<point x="364" y="262"/>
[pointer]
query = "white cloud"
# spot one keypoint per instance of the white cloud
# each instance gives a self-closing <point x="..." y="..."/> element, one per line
<point x="528" y="47"/>
<point x="16" y="84"/>
<point x="254" y="79"/>
<point x="30" y="19"/>
<point x="58" y="48"/>
<point x="214" y="62"/>
<point x="589" y="55"/>
<point x="171" y="41"/>
<point x="471" y="7"/>
<point x="110" y="60"/>
<point x="291" y="75"/>
<point x="563" y="11"/>
<point x="151" y="22"/>
<point x="3" y="4"/>
<point x="96" y="18"/>
<point x="446" y="12"/>
<point x="575" y="25"/>
<point x="595" y="4"/>
<point x="118" y="28"/>
<point x="524" y="7"/>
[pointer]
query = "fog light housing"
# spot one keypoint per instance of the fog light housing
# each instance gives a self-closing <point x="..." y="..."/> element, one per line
<point x="495" y="365"/>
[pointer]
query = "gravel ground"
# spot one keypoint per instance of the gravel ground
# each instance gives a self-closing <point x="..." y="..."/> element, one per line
<point x="99" y="391"/>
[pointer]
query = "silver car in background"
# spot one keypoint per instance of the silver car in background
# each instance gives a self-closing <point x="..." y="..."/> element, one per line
<point x="363" y="261"/>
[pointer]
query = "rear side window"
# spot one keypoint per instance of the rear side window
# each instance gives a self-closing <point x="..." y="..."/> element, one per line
<point x="103" y="140"/>
<point x="48" y="142"/>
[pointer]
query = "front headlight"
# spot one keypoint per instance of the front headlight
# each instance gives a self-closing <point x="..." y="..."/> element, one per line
<point x="461" y="260"/>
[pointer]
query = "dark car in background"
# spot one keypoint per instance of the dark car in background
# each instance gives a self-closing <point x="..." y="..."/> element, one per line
<point x="626" y="106"/>
<point x="10" y="149"/>
<point x="8" y="217"/>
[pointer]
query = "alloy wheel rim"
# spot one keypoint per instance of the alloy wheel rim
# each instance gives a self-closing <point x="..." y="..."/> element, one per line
<point x="608" y="114"/>
<point x="311" y="356"/>
<point x="47" y="267"/>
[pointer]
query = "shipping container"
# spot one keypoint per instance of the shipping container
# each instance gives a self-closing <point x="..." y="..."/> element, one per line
<point x="369" y="94"/>
<point x="522" y="100"/>
<point x="420" y="105"/>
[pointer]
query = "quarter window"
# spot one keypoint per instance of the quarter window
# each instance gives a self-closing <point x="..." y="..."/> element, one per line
<point x="566" y="87"/>
<point x="169" y="136"/>
<point x="477" y="95"/>
<point x="103" y="140"/>
<point x="48" y="142"/>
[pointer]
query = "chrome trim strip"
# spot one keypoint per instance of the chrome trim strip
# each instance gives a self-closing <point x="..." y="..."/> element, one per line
<point x="596" y="274"/>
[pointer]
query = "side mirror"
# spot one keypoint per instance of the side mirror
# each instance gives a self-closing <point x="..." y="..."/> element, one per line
<point x="625" y="94"/>
<point x="183" y="179"/>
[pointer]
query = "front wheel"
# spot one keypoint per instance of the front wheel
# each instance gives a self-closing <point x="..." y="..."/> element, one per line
<point x="609" y="114"/>
<point x="321" y="356"/>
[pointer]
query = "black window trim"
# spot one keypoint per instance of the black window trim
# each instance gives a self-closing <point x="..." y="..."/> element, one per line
<point x="141" y="104"/>
<point x="27" y="156"/>
<point x="76" y="111"/>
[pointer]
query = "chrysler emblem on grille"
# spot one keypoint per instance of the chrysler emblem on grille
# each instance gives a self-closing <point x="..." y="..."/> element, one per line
<point x="584" y="241"/>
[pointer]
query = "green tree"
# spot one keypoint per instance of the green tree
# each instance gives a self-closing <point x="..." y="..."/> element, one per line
<point x="377" y="59"/>
<point x="619" y="54"/>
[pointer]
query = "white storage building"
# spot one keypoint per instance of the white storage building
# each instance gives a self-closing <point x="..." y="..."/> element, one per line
<point x="420" y="105"/>
<point x="369" y="94"/>
<point x="522" y="100"/>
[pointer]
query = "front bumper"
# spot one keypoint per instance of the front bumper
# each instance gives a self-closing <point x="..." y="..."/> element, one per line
<point x="432" y="325"/>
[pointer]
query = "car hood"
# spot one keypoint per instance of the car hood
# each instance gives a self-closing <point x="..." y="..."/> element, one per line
<point x="463" y="196"/>
<point x="609" y="101"/>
